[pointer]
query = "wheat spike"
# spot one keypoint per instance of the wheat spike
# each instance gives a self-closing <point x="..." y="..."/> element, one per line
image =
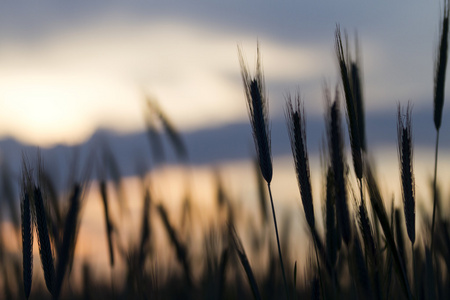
<point x="153" y="134"/>
<point x="358" y="95"/>
<point x="440" y="70"/>
<point x="406" y="167"/>
<point x="352" y="117"/>
<point x="45" y="249"/>
<point x="245" y="263"/>
<point x="27" y="243"/>
<point x="258" y="114"/>
<point x="173" y="135"/>
<point x="67" y="248"/>
<point x="180" y="248"/>
<point x="296" y="126"/>
<point x="337" y="162"/>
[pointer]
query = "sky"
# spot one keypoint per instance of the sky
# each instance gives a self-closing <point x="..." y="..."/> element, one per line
<point x="68" y="69"/>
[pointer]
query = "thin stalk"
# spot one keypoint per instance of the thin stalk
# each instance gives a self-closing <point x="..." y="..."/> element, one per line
<point x="318" y="268"/>
<point x="375" y="273"/>
<point x="278" y="242"/>
<point x="112" y="282"/>
<point x="434" y="190"/>
<point x="294" y="290"/>
<point x="361" y="189"/>
<point x="413" y="273"/>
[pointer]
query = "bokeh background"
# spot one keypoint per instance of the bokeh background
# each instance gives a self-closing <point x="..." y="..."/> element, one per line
<point x="75" y="75"/>
<point x="69" y="69"/>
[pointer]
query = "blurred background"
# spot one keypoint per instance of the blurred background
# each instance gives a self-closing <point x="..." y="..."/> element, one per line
<point x="68" y="70"/>
<point x="79" y="76"/>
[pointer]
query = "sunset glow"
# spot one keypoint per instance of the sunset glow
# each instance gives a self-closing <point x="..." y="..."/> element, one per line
<point x="133" y="140"/>
<point x="64" y="84"/>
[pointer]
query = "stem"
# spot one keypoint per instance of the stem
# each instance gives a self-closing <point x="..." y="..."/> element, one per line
<point x="434" y="191"/>
<point x="375" y="273"/>
<point x="361" y="190"/>
<point x="278" y="242"/>
<point x="318" y="268"/>
<point x="414" y="277"/>
<point x="112" y="284"/>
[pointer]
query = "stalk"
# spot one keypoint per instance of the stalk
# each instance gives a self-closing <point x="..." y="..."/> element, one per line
<point x="438" y="103"/>
<point x="434" y="190"/>
<point x="413" y="273"/>
<point x="278" y="242"/>
<point x="257" y="106"/>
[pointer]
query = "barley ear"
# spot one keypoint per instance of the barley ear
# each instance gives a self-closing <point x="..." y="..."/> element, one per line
<point x="406" y="167"/>
<point x="337" y="162"/>
<point x="244" y="261"/>
<point x="67" y="248"/>
<point x="352" y="117"/>
<point x="174" y="136"/>
<point x="358" y="95"/>
<point x="153" y="134"/>
<point x="27" y="222"/>
<point x="27" y="243"/>
<point x="45" y="249"/>
<point x="296" y="126"/>
<point x="439" y="87"/>
<point x="440" y="69"/>
<point x="180" y="248"/>
<point x="257" y="107"/>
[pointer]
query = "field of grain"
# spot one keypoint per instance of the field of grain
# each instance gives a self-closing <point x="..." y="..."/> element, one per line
<point x="308" y="225"/>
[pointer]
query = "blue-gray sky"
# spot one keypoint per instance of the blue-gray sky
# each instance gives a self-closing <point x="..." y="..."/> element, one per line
<point x="67" y="69"/>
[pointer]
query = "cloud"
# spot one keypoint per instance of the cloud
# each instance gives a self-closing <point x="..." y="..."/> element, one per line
<point x="67" y="69"/>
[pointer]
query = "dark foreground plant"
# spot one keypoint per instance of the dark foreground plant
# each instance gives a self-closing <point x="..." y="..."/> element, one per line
<point x="296" y="126"/>
<point x="405" y="151"/>
<point x="439" y="88"/>
<point x="258" y="113"/>
<point x="27" y="243"/>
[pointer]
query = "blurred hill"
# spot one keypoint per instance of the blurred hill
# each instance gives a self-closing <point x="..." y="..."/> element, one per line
<point x="215" y="145"/>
